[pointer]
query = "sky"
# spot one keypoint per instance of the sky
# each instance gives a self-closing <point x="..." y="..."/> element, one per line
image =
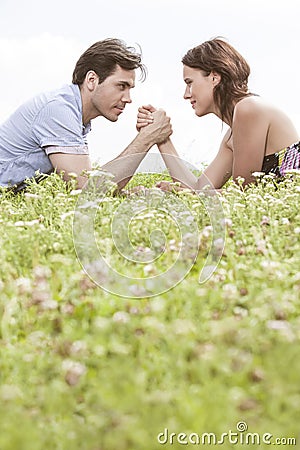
<point x="40" y="42"/>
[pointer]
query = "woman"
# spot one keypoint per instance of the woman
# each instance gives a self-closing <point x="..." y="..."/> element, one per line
<point x="260" y="137"/>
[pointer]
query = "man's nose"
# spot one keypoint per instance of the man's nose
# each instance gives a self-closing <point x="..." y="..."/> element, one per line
<point x="126" y="97"/>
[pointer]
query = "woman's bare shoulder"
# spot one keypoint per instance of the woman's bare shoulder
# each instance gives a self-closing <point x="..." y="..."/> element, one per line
<point x="251" y="103"/>
<point x="256" y="112"/>
<point x="255" y="103"/>
<point x="255" y="108"/>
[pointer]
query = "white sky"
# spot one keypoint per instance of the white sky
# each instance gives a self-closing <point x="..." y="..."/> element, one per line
<point x="40" y="42"/>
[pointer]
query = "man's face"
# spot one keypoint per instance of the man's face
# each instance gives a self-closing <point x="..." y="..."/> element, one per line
<point x="111" y="96"/>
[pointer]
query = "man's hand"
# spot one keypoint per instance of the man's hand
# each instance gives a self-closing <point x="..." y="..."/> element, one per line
<point x="154" y="124"/>
<point x="145" y="116"/>
<point x="124" y="165"/>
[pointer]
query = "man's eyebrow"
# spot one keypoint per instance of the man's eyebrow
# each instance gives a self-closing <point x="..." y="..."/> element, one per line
<point x="130" y="85"/>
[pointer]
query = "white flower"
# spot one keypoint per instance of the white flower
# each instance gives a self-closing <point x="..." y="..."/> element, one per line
<point x="76" y="192"/>
<point x="24" y="285"/>
<point x="74" y="370"/>
<point x="227" y="222"/>
<point x="56" y="246"/>
<point x="78" y="347"/>
<point x="67" y="214"/>
<point x="183" y="326"/>
<point x="149" y="215"/>
<point x="261" y="246"/>
<point x="121" y="317"/>
<point x="265" y="220"/>
<point x="29" y="195"/>
<point x="149" y="268"/>
<point x="219" y="243"/>
<point x="30" y="223"/>
<point x="269" y="264"/>
<point x="207" y="231"/>
<point x="41" y="272"/>
<point x="102" y="323"/>
<point x="48" y="304"/>
<point x="230" y="288"/>
<point x="285" y="221"/>
<point x="258" y="174"/>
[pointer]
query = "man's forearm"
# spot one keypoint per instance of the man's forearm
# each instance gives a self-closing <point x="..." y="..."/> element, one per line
<point x="124" y="165"/>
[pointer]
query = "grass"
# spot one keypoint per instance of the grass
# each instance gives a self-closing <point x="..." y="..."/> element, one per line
<point x="84" y="369"/>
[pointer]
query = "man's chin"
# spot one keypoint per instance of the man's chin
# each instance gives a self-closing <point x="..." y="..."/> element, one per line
<point x="112" y="118"/>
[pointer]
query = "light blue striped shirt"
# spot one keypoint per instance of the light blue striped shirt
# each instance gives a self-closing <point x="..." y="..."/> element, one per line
<point x="48" y="123"/>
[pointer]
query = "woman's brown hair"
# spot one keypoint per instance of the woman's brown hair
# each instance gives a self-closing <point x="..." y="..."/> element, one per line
<point x="218" y="56"/>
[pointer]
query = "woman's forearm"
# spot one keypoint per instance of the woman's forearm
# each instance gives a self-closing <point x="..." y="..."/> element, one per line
<point x="180" y="172"/>
<point x="176" y="167"/>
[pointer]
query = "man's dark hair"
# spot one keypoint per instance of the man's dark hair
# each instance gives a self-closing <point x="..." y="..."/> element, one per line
<point x="103" y="58"/>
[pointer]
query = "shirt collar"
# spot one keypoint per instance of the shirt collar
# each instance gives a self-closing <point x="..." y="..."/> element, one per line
<point x="76" y="89"/>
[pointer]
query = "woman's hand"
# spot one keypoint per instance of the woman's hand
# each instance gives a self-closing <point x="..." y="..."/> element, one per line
<point x="169" y="186"/>
<point x="144" y="116"/>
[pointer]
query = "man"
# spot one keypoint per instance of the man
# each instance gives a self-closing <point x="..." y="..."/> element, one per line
<point x="50" y="131"/>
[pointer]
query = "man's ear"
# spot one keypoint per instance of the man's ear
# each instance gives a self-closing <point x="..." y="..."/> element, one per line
<point x="92" y="80"/>
<point x="216" y="78"/>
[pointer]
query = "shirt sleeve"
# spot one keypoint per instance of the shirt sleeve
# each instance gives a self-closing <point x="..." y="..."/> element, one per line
<point x="59" y="124"/>
<point x="73" y="150"/>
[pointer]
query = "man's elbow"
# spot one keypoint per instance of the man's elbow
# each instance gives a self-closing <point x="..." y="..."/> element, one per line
<point x="81" y="182"/>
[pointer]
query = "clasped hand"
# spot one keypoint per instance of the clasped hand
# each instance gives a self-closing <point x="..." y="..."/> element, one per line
<point x="158" y="123"/>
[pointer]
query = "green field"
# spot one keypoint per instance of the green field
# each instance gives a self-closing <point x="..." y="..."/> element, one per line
<point x="84" y="369"/>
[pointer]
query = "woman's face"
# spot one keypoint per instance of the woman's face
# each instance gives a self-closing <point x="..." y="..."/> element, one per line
<point x="199" y="90"/>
